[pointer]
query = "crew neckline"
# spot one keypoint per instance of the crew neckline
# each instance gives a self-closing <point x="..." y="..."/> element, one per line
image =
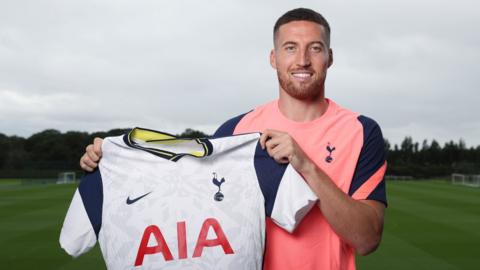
<point x="152" y="141"/>
<point x="285" y="120"/>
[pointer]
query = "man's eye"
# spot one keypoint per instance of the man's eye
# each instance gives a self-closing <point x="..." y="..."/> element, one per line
<point x="290" y="48"/>
<point x="316" y="48"/>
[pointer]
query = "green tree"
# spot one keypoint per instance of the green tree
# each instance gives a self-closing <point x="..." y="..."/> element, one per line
<point x="4" y="150"/>
<point x="191" y="133"/>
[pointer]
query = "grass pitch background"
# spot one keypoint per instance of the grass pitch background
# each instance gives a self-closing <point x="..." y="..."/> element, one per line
<point x="428" y="225"/>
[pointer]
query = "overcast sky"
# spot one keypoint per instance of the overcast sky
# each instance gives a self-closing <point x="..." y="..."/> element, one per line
<point x="95" y="65"/>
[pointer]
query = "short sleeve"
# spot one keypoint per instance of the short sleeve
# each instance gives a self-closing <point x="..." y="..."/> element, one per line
<point x="84" y="216"/>
<point x="368" y="181"/>
<point x="288" y="198"/>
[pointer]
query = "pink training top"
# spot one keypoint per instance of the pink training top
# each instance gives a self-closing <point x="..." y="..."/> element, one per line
<point x="350" y="149"/>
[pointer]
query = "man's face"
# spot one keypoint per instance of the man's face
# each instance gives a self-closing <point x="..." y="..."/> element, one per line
<point x="301" y="57"/>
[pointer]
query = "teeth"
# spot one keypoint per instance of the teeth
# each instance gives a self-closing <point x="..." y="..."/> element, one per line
<point x="301" y="75"/>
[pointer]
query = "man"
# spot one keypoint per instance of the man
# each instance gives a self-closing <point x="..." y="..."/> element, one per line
<point x="339" y="153"/>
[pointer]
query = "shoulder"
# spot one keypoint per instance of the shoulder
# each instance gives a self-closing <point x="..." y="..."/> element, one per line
<point x="370" y="127"/>
<point x="348" y="117"/>
<point x="228" y="127"/>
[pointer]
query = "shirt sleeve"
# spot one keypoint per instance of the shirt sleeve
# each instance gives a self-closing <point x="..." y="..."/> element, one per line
<point x="368" y="181"/>
<point x="84" y="216"/>
<point x="288" y="198"/>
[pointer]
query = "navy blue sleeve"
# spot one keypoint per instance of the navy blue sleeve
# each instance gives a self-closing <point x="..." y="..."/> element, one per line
<point x="269" y="174"/>
<point x="227" y="128"/>
<point x="371" y="159"/>
<point x="91" y="192"/>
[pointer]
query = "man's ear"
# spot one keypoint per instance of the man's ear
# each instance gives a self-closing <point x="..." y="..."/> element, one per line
<point x="273" y="63"/>
<point x="330" y="57"/>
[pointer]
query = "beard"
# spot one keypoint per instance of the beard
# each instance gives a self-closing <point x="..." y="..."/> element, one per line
<point x="303" y="90"/>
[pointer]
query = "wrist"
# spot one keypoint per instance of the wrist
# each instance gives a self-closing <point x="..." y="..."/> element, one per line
<point x="311" y="172"/>
<point x="308" y="169"/>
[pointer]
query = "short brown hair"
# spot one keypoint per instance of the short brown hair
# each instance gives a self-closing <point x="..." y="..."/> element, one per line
<point x="303" y="14"/>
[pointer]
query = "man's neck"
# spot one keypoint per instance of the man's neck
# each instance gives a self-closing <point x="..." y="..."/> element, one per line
<point x="301" y="110"/>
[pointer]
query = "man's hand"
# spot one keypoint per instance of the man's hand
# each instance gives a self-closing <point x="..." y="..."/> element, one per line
<point x="283" y="148"/>
<point x="93" y="153"/>
<point x="359" y="223"/>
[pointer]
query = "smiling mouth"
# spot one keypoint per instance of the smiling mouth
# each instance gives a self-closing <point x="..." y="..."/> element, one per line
<point x="301" y="75"/>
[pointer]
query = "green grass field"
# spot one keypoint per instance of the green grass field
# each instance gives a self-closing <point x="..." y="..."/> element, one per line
<point x="31" y="217"/>
<point x="429" y="225"/>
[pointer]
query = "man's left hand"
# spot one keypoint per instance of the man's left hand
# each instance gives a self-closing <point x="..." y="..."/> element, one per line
<point x="284" y="149"/>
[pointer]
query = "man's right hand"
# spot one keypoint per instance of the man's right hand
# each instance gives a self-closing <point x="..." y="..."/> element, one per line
<point x="93" y="153"/>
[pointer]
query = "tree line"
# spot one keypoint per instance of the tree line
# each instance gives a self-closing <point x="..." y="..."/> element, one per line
<point x="44" y="154"/>
<point x="430" y="159"/>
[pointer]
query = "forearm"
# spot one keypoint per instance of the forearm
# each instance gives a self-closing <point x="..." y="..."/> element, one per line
<point x="359" y="223"/>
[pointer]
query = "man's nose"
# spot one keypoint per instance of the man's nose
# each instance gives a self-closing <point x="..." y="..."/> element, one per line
<point x="303" y="58"/>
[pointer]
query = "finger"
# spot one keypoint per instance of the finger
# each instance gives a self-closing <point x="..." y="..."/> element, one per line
<point x="280" y="159"/>
<point x="97" y="146"/>
<point x="89" y="162"/>
<point x="282" y="153"/>
<point x="268" y="146"/>
<point x="91" y="153"/>
<point x="273" y="151"/>
<point x="87" y="169"/>
<point x="84" y="165"/>
<point x="263" y="140"/>
<point x="271" y="154"/>
<point x="274" y="142"/>
<point x="268" y="134"/>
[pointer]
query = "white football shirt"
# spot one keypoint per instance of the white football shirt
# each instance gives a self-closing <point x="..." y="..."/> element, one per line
<point x="160" y="202"/>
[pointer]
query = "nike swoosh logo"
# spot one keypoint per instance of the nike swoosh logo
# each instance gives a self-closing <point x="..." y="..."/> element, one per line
<point x="130" y="201"/>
